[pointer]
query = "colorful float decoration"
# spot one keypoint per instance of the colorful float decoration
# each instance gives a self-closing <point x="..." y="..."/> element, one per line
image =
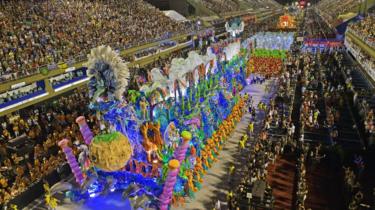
<point x="268" y="52"/>
<point x="286" y="21"/>
<point x="235" y="26"/>
<point x="267" y="62"/>
<point x="155" y="144"/>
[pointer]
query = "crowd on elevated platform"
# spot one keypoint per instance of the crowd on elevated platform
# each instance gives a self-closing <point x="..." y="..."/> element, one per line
<point x="220" y="6"/>
<point x="37" y="33"/>
<point x="18" y="95"/>
<point x="316" y="27"/>
<point x="330" y="10"/>
<point x="365" y="29"/>
<point x="40" y="128"/>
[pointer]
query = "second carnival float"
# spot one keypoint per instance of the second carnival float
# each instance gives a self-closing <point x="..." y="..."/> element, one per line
<point x="156" y="144"/>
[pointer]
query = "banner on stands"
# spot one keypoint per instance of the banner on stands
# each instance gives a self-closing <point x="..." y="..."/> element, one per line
<point x="323" y="43"/>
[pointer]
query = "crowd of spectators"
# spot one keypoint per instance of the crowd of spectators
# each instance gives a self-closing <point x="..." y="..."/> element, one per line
<point x="37" y="33"/>
<point x="316" y="27"/>
<point x="310" y="109"/>
<point x="362" y="57"/>
<point x="361" y="100"/>
<point x="18" y="93"/>
<point x="353" y="189"/>
<point x="340" y="74"/>
<point x="302" y="188"/>
<point x="220" y="6"/>
<point x="335" y="87"/>
<point x="331" y="9"/>
<point x="260" y="149"/>
<point x="43" y="126"/>
<point x="365" y="29"/>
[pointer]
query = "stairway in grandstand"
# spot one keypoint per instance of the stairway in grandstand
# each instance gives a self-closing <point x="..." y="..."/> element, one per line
<point x="364" y="87"/>
<point x="281" y="178"/>
<point x="348" y="134"/>
<point x="324" y="186"/>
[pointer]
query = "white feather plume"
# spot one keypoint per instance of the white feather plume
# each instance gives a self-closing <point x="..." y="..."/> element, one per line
<point x="178" y="69"/>
<point x="112" y="58"/>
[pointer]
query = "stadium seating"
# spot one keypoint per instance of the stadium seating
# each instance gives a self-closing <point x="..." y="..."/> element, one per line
<point x="365" y="29"/>
<point x="36" y="33"/>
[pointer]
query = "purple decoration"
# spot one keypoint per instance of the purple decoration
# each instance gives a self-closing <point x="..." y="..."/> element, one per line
<point x="195" y="121"/>
<point x="72" y="161"/>
<point x="180" y="152"/>
<point x="174" y="167"/>
<point x="166" y="196"/>
<point x="85" y="130"/>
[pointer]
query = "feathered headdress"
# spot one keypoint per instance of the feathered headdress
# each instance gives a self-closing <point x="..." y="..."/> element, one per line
<point x="108" y="73"/>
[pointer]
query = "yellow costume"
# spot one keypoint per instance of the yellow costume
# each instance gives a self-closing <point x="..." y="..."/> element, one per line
<point x="50" y="200"/>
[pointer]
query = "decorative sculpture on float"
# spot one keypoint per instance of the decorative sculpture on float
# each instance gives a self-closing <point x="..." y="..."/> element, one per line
<point x="286" y="21"/>
<point x="235" y="26"/>
<point x="110" y="150"/>
<point x="108" y="75"/>
<point x="166" y="195"/>
<point x="72" y="161"/>
<point x="152" y="140"/>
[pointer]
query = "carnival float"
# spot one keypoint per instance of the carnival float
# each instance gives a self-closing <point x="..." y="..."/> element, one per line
<point x="269" y="51"/>
<point x="155" y="144"/>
